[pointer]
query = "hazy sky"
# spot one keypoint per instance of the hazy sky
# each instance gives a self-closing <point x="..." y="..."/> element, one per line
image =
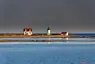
<point x="60" y="15"/>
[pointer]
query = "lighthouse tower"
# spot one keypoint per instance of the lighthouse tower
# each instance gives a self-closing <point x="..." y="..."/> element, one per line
<point x="48" y="31"/>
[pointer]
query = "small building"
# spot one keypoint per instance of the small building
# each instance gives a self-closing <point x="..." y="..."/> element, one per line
<point x="27" y="31"/>
<point x="30" y="31"/>
<point x="48" y="31"/>
<point x="64" y="33"/>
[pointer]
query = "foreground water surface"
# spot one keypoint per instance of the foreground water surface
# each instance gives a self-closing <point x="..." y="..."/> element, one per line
<point x="48" y="52"/>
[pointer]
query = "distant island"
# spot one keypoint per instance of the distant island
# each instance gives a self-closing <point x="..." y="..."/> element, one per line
<point x="28" y="33"/>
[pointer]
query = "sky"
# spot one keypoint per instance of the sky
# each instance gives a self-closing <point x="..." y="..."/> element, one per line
<point x="59" y="15"/>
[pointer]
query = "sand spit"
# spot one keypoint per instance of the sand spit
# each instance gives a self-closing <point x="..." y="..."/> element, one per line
<point x="40" y="36"/>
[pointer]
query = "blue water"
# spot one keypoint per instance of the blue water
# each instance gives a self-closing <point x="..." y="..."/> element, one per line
<point x="84" y="34"/>
<point x="71" y="51"/>
<point x="47" y="53"/>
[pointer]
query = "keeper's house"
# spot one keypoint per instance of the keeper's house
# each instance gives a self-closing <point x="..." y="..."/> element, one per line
<point x="64" y="33"/>
<point x="27" y="31"/>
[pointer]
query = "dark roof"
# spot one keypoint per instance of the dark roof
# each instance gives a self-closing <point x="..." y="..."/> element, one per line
<point x="48" y="28"/>
<point x="63" y="32"/>
<point x="30" y="29"/>
<point x="27" y="29"/>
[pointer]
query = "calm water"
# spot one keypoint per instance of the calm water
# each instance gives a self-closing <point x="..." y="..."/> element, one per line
<point x="67" y="52"/>
<point x="84" y="34"/>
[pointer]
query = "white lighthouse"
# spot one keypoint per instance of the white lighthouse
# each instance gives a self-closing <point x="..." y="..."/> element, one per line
<point x="48" y="31"/>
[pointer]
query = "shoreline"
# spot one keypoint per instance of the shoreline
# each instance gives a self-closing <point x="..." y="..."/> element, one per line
<point x="62" y="40"/>
<point x="34" y="36"/>
<point x="44" y="36"/>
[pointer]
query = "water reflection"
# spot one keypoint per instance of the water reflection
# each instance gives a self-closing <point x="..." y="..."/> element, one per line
<point x="47" y="38"/>
<point x="51" y="40"/>
<point x="30" y="38"/>
<point x="66" y="40"/>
